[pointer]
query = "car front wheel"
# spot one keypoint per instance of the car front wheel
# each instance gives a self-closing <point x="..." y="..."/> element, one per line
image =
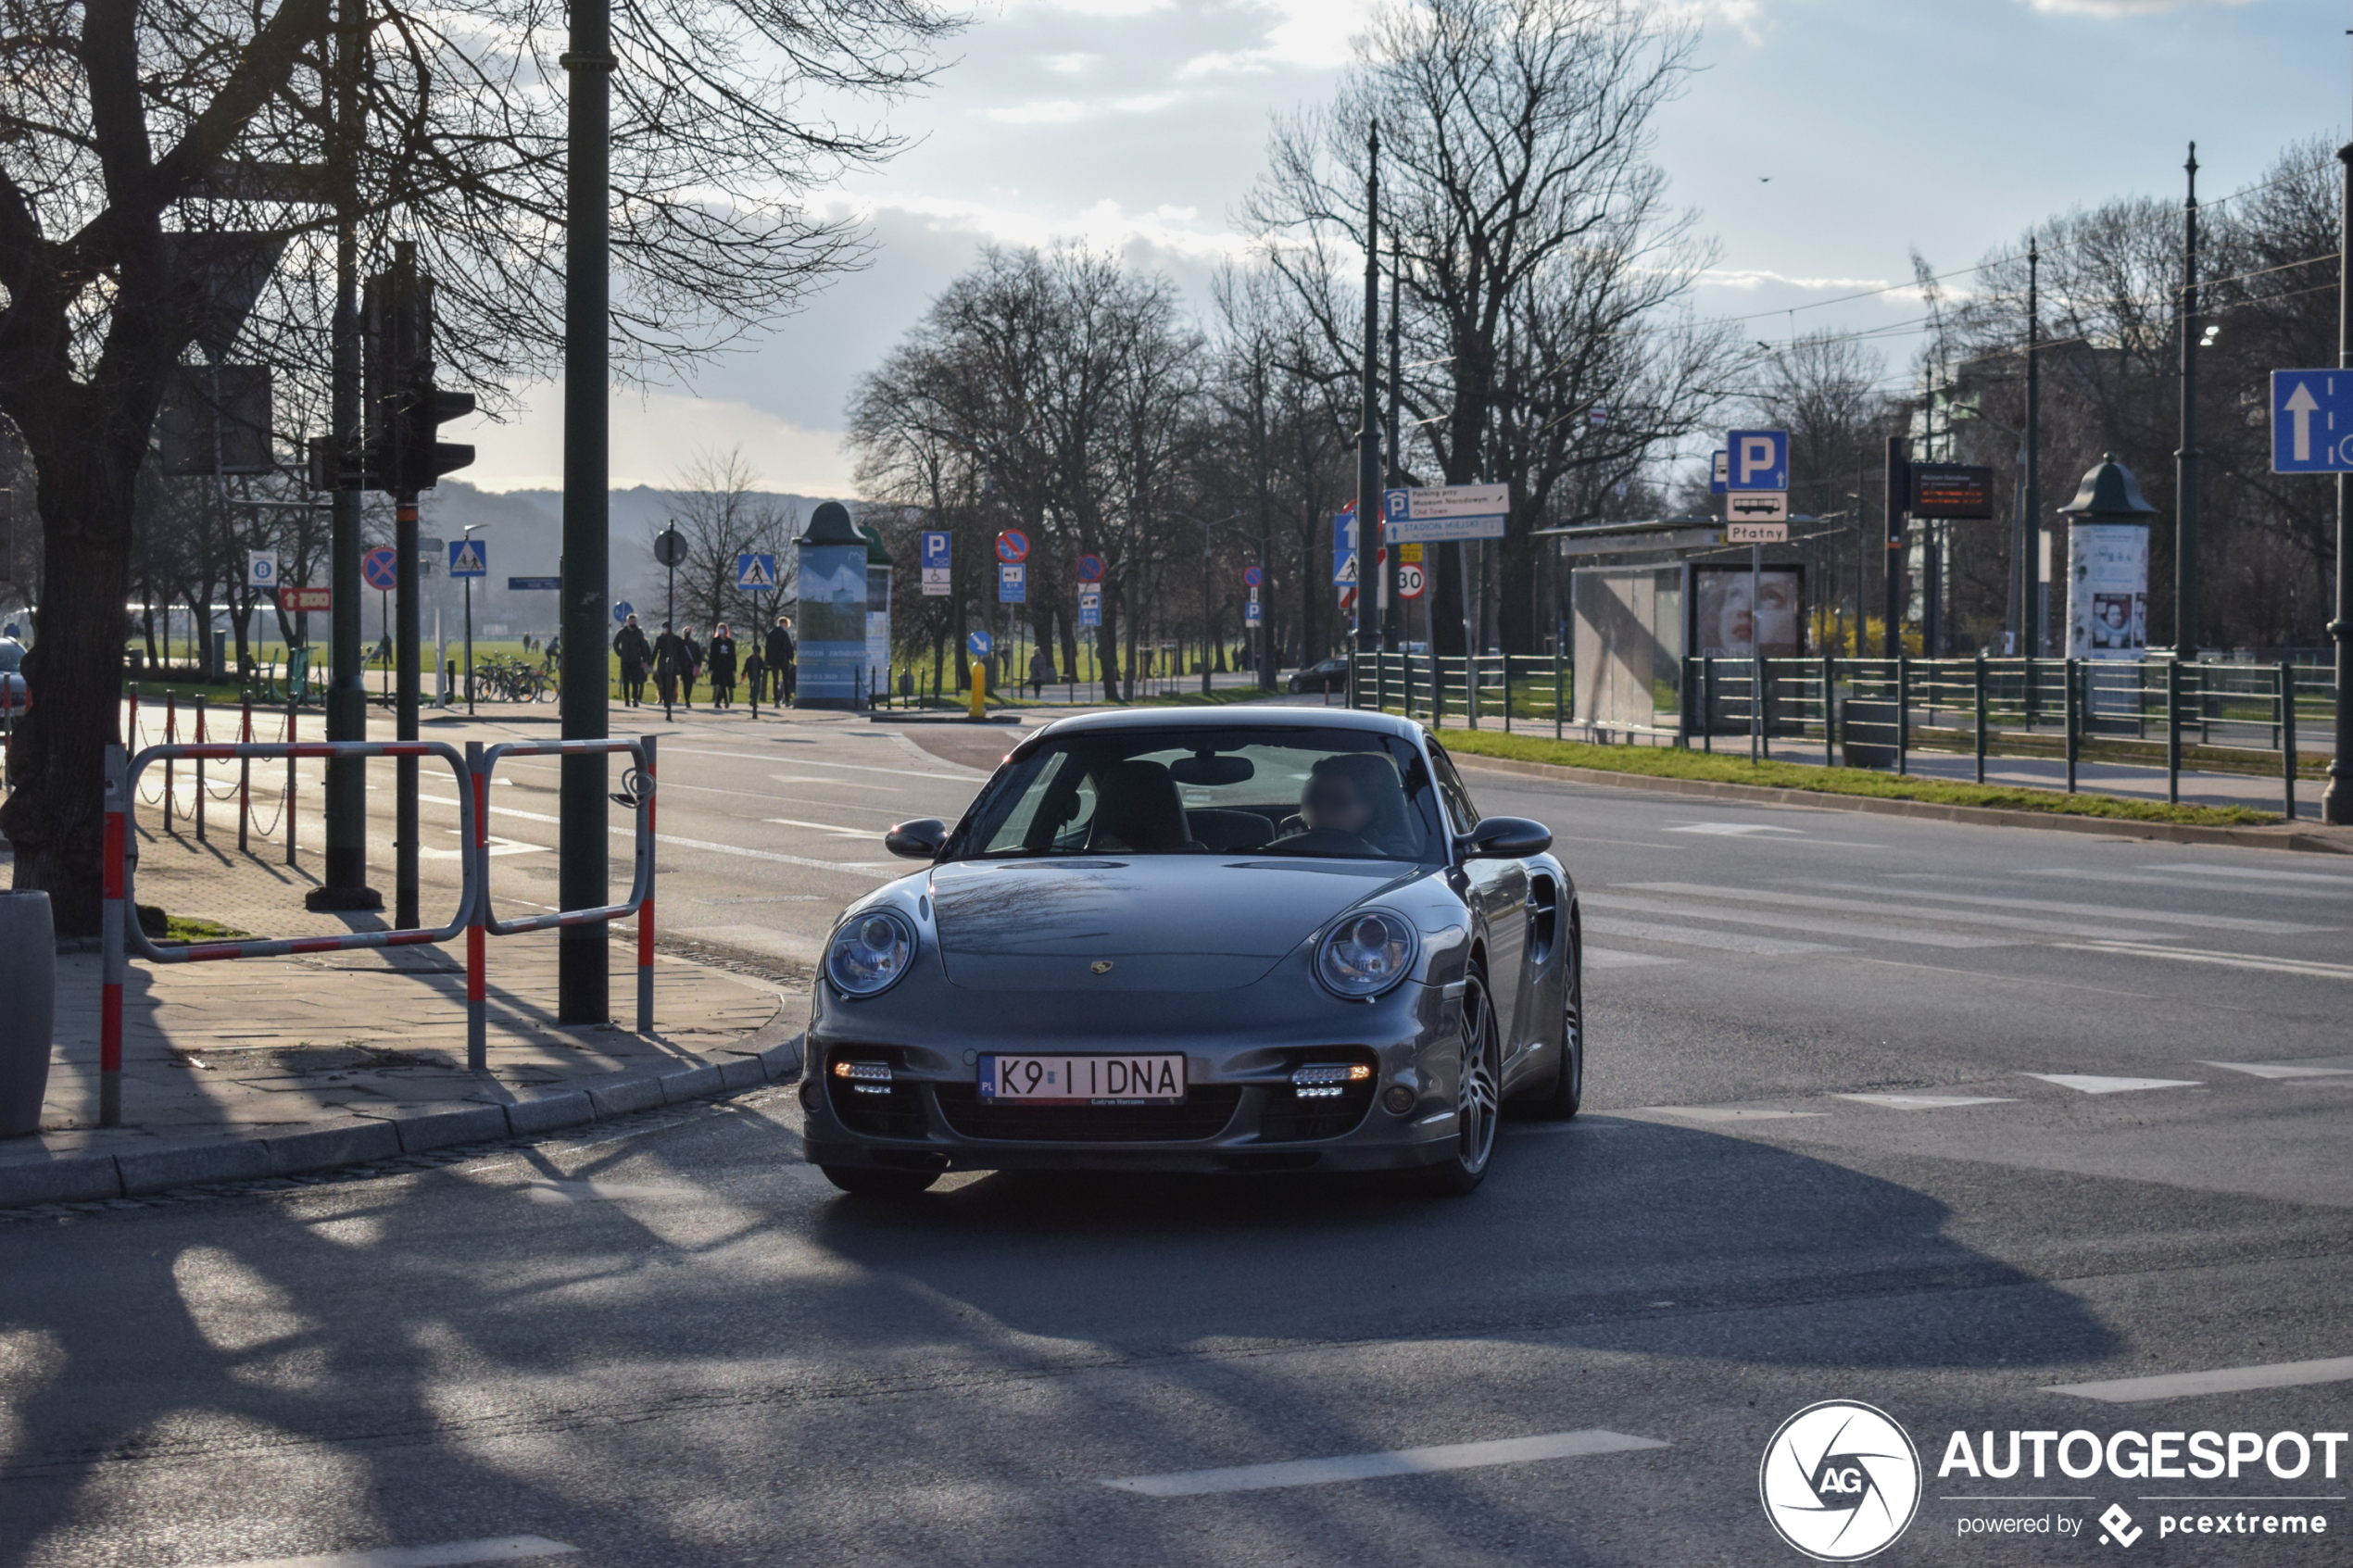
<point x="1478" y="1097"/>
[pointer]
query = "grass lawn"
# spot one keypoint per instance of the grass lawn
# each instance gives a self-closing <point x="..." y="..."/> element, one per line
<point x="1669" y="762"/>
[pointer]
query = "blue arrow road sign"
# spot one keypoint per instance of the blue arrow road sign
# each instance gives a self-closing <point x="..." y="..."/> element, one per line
<point x="936" y="545"/>
<point x="980" y="643"/>
<point x="1758" y="459"/>
<point x="2311" y="422"/>
<point x="1343" y="550"/>
<point x="468" y="558"/>
<point x="520" y="585"/>
<point x="623" y="612"/>
<point x="757" y="573"/>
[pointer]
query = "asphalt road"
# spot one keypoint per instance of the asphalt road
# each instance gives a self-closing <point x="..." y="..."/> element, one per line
<point x="1938" y="1118"/>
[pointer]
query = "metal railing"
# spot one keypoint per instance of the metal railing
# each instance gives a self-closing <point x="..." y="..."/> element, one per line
<point x="2216" y="715"/>
<point x="120" y="931"/>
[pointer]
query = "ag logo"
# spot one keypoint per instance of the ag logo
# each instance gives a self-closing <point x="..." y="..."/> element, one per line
<point x="1840" y="1481"/>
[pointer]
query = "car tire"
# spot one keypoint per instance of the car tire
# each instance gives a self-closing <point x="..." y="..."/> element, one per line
<point x="863" y="1181"/>
<point x="1562" y="1100"/>
<point x="1478" y="1102"/>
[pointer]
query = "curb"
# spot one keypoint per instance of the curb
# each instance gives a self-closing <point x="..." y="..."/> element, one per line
<point x="1976" y="816"/>
<point x="92" y="1178"/>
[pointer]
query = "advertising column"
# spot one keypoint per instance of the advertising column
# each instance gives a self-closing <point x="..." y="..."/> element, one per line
<point x="833" y="610"/>
<point x="2108" y="578"/>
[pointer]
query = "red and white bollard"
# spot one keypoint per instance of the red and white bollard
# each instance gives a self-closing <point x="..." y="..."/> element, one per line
<point x="111" y="916"/>
<point x="477" y="943"/>
<point x="645" y="909"/>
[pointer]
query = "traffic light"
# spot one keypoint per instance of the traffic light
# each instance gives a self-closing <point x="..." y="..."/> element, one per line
<point x="401" y="408"/>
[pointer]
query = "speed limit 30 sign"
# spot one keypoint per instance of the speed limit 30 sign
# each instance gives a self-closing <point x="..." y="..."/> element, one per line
<point x="1411" y="581"/>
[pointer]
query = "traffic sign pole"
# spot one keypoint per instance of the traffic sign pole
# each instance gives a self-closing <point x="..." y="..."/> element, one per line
<point x="2336" y="801"/>
<point x="406" y="634"/>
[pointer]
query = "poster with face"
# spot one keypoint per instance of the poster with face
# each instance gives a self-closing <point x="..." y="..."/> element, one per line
<point x="1727" y="618"/>
<point x="2108" y="591"/>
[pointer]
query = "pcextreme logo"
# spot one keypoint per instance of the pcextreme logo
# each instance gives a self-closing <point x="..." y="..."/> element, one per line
<point x="1840" y="1481"/>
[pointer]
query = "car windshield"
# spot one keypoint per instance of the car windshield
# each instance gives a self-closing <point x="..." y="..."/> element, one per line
<point x="1329" y="793"/>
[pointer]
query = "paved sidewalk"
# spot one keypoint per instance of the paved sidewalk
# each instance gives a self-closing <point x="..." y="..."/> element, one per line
<point x="265" y="1066"/>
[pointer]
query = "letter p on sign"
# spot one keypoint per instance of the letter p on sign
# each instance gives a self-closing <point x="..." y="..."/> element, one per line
<point x="1759" y="459"/>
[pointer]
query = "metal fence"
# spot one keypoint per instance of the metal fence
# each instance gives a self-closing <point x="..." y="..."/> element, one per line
<point x="2212" y="715"/>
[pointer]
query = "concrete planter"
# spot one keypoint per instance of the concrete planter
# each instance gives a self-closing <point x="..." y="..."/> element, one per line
<point x="29" y="977"/>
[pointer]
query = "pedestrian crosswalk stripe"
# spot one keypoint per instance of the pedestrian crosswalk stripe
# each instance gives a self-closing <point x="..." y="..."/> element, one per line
<point x="1617" y="957"/>
<point x="2262" y="890"/>
<point x="2094" y="1083"/>
<point x="1368" y="1467"/>
<point x="2280" y="1070"/>
<point x="1732" y="1112"/>
<point x="2331" y="879"/>
<point x="1694" y="936"/>
<point x="2311" y="967"/>
<point x="1891" y="911"/>
<point x="500" y="1549"/>
<point x="1927" y="1102"/>
<point x="2222" y="1380"/>
<point x="1876" y="933"/>
<point x="2095" y="912"/>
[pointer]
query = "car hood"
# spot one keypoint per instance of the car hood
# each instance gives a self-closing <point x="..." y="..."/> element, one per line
<point x="1161" y="922"/>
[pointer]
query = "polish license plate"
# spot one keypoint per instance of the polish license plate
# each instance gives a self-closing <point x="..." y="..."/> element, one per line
<point x="1091" y="1080"/>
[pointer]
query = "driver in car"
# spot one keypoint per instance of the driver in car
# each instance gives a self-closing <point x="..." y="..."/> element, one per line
<point x="1358" y="795"/>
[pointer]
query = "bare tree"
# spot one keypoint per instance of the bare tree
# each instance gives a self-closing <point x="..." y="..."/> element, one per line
<point x="163" y="165"/>
<point x="721" y="515"/>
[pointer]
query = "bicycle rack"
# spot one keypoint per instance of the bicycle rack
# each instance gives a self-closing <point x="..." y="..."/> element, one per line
<point x="483" y="923"/>
<point x="121" y="927"/>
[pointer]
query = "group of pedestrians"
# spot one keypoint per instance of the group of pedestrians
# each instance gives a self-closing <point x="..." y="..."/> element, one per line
<point x="675" y="662"/>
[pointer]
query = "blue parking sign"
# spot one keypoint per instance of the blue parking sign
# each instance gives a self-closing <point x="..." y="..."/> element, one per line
<point x="1757" y="459"/>
<point x="938" y="544"/>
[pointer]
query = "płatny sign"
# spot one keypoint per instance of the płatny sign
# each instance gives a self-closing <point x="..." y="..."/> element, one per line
<point x="1440" y="512"/>
<point x="1952" y="490"/>
<point x="1756" y="533"/>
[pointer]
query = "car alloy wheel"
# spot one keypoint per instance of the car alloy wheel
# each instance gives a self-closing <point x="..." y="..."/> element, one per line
<point x="1477" y="1097"/>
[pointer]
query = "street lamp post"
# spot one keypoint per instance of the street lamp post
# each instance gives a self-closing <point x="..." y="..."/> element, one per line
<point x="468" y="532"/>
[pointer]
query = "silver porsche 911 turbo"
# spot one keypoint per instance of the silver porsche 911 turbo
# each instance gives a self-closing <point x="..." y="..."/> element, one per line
<point x="1273" y="939"/>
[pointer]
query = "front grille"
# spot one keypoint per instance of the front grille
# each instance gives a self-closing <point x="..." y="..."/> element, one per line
<point x="897" y="1113"/>
<point x="1207" y="1108"/>
<point x="1291" y="1117"/>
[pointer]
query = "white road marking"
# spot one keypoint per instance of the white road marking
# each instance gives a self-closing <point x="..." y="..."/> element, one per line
<point x="856" y="868"/>
<point x="497" y="1548"/>
<point x="2094" y="1083"/>
<point x="2344" y="882"/>
<point x="1927" y="1102"/>
<point x="2309" y="967"/>
<point x="2279" y="1069"/>
<point x="1903" y="911"/>
<point x="1614" y="958"/>
<point x="967" y="777"/>
<point x="1367" y="1467"/>
<point x="2222" y="1380"/>
<point x="1688" y="937"/>
<point x="1732" y="830"/>
<point x="1796" y="923"/>
<point x="835" y="828"/>
<point x="1731" y="1113"/>
<point x="2176" y="883"/>
<point x="2095" y="911"/>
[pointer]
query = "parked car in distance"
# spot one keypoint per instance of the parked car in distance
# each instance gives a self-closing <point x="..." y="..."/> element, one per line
<point x="1329" y="676"/>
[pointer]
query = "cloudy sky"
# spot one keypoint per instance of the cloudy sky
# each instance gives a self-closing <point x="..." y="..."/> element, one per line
<point x="1821" y="142"/>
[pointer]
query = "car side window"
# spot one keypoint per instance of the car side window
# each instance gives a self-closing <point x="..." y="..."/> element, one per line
<point x="1459" y="809"/>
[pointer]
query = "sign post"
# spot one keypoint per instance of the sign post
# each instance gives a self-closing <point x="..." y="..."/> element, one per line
<point x="2312" y="432"/>
<point x="1756" y="498"/>
<point x="469" y="559"/>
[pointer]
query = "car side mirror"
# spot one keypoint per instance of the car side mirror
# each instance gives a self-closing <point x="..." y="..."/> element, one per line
<point x="1506" y="838"/>
<point x="923" y="839"/>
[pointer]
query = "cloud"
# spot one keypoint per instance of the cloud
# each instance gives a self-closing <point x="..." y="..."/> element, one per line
<point x="1057" y="111"/>
<point x="652" y="433"/>
<point x="1758" y="277"/>
<point x="2111" y="10"/>
<point x="1069" y="64"/>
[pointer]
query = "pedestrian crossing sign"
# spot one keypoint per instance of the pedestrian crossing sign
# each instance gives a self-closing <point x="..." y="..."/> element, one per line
<point x="468" y="559"/>
<point x="755" y="571"/>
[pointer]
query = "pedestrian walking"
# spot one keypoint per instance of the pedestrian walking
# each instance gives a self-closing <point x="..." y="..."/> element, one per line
<point x="755" y="676"/>
<point x="723" y="667"/>
<point x="670" y="662"/>
<point x="1041" y="672"/>
<point x="630" y="644"/>
<point x="781" y="654"/>
<point x="693" y="671"/>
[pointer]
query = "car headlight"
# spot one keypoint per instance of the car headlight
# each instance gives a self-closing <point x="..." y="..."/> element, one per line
<point x="870" y="952"/>
<point x="1366" y="953"/>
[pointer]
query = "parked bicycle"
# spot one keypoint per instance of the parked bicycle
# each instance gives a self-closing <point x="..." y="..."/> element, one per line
<point x="504" y="678"/>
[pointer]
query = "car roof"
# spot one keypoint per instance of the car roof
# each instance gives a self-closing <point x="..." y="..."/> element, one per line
<point x="1255" y="717"/>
